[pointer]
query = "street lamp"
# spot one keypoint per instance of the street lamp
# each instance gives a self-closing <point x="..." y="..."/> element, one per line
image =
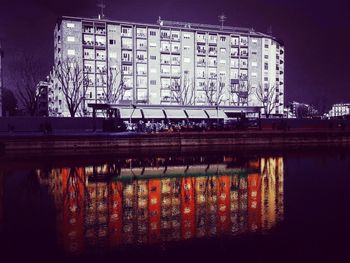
<point x="217" y="114"/>
<point x="134" y="107"/>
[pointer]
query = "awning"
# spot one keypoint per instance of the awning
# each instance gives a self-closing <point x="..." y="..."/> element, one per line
<point x="214" y="114"/>
<point x="153" y="114"/>
<point x="196" y="114"/>
<point x="175" y="114"/>
<point x="134" y="113"/>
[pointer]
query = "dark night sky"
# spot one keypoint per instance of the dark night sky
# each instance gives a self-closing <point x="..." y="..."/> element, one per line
<point x="316" y="33"/>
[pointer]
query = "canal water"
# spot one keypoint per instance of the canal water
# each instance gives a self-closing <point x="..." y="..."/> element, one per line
<point x="281" y="205"/>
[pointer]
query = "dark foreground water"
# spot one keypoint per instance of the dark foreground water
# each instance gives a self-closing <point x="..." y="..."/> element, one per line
<point x="230" y="206"/>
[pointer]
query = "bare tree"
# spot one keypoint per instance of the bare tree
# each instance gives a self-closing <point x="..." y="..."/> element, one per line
<point x="214" y="91"/>
<point x="114" y="89"/>
<point x="268" y="97"/>
<point x="182" y="91"/>
<point x="28" y="74"/>
<point x="70" y="75"/>
<point x="241" y="93"/>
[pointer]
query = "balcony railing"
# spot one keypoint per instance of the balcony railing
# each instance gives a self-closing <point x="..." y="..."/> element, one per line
<point x="165" y="36"/>
<point x="141" y="35"/>
<point x="88" y="30"/>
<point x="143" y="47"/>
<point x="165" y="49"/>
<point x="100" y="31"/>
<point x="126" y="46"/>
<point x="141" y="72"/>
<point x="88" y="42"/>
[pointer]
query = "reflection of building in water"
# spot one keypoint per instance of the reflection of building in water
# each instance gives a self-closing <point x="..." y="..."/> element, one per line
<point x="167" y="206"/>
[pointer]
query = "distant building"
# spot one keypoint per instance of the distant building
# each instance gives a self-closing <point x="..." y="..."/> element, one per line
<point x="153" y="58"/>
<point x="302" y="110"/>
<point x="1" y="78"/>
<point x="339" y="109"/>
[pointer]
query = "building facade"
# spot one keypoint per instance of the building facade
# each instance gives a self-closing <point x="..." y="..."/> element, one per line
<point x="339" y="109"/>
<point x="170" y="63"/>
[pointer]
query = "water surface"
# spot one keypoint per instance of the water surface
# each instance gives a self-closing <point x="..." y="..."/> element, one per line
<point x="265" y="206"/>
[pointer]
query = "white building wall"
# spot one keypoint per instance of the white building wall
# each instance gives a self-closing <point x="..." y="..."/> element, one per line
<point x="148" y="79"/>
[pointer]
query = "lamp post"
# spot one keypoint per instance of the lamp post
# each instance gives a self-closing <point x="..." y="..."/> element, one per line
<point x="134" y="107"/>
<point x="217" y="114"/>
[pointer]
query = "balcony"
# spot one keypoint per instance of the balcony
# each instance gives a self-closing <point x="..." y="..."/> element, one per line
<point x="99" y="44"/>
<point x="127" y="72"/>
<point x="244" y="54"/>
<point x="100" y="31"/>
<point x="142" y="47"/>
<point x="234" y="54"/>
<point x="175" y="38"/>
<point x="141" y="35"/>
<point x="212" y="53"/>
<point x="164" y="36"/>
<point x="175" y="62"/>
<point x="244" y="42"/>
<point x="126" y="32"/>
<point x="141" y="60"/>
<point x="200" y="39"/>
<point x="89" y="43"/>
<point x="165" y="49"/>
<point x="141" y="72"/>
<point x="128" y="47"/>
<point x="88" y="30"/>
<point x="201" y="52"/>
<point x="101" y="70"/>
<point x="175" y="50"/>
<point x="243" y="77"/>
<point x="91" y="57"/>
<point x="165" y="62"/>
<point x="234" y="42"/>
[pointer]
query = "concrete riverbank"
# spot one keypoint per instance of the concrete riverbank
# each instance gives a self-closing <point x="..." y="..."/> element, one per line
<point x="75" y="141"/>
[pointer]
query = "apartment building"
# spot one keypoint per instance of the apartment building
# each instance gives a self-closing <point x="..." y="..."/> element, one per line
<point x="216" y="65"/>
<point x="339" y="109"/>
<point x="1" y="78"/>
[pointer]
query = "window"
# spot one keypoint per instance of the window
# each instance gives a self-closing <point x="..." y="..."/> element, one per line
<point x="254" y="53"/>
<point x="266" y="56"/>
<point x="153" y="82"/>
<point x="254" y="74"/>
<point x="153" y="57"/>
<point x="222" y="38"/>
<point x="153" y="44"/>
<point x="71" y="52"/>
<point x="187" y="60"/>
<point x="112" y="41"/>
<point x="266" y="45"/>
<point x="70" y="25"/>
<point x="266" y="79"/>
<point x="70" y="39"/>
<point x="223" y="50"/>
<point x="152" y="33"/>
<point x="186" y="47"/>
<point x="266" y="66"/>
<point x="223" y="61"/>
<point x="187" y="36"/>
<point x="254" y="41"/>
<point x="254" y="64"/>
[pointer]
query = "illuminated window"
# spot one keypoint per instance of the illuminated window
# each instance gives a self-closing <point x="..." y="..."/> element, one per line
<point x="70" y="39"/>
<point x="71" y="52"/>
